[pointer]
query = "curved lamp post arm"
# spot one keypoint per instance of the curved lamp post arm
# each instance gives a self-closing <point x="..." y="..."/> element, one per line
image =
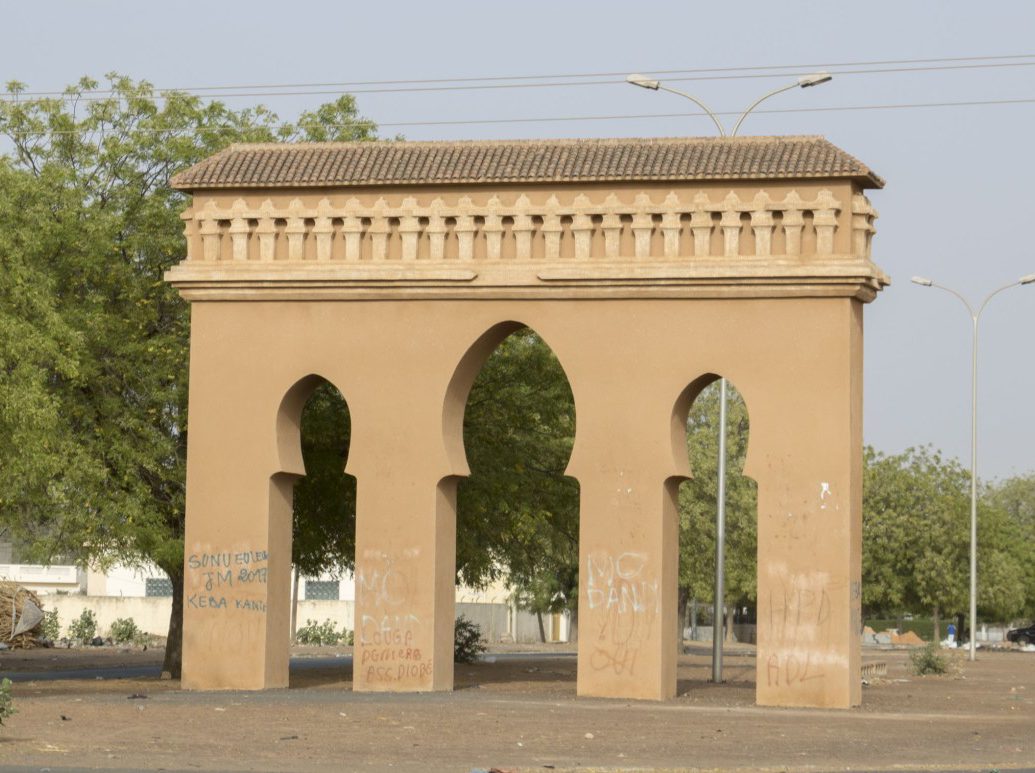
<point x="994" y="293"/>
<point x="757" y="102"/>
<point x="700" y="104"/>
<point x="970" y="309"/>
<point x="803" y="82"/>
<point x="636" y="79"/>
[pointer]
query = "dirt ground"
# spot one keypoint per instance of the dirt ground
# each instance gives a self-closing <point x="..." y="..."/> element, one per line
<point x="513" y="715"/>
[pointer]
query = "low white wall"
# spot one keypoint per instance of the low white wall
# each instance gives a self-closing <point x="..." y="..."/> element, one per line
<point x="42" y="579"/>
<point x="493" y="619"/>
<point x="341" y="613"/>
<point x="526" y="628"/>
<point x="742" y="632"/>
<point x="150" y="614"/>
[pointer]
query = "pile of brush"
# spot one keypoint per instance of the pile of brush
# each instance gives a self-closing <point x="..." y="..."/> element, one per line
<point x="21" y="616"/>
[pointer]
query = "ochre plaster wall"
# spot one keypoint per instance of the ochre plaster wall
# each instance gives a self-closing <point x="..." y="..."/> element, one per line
<point x="404" y="367"/>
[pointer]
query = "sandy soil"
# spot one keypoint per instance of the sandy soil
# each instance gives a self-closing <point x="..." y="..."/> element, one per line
<point x="515" y="715"/>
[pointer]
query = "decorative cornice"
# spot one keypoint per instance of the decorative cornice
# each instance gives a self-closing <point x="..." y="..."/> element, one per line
<point x="704" y="243"/>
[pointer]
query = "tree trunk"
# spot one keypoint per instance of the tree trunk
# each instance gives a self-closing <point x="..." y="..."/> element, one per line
<point x="542" y="630"/>
<point x="729" y="624"/>
<point x="937" y="624"/>
<point x="573" y="625"/>
<point x="681" y="610"/>
<point x="173" y="662"/>
<point x="294" y="604"/>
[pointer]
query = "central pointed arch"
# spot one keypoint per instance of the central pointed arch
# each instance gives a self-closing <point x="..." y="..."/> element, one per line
<point x="509" y="427"/>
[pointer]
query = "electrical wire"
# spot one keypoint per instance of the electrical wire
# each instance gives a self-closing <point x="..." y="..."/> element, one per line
<point x="494" y="82"/>
<point x="835" y="109"/>
<point x="577" y="118"/>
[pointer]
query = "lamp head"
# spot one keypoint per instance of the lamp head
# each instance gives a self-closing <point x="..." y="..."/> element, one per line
<point x="925" y="282"/>
<point x="814" y="79"/>
<point x="1027" y="279"/>
<point x="643" y="81"/>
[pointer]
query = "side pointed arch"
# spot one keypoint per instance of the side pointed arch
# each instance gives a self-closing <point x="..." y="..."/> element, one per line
<point x="696" y="442"/>
<point x="289" y="422"/>
<point x="680" y="416"/>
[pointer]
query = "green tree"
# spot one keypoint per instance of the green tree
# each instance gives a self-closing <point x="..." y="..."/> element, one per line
<point x="98" y="401"/>
<point x="1015" y="497"/>
<point x="697" y="504"/>
<point x="916" y="539"/>
<point x="37" y="348"/>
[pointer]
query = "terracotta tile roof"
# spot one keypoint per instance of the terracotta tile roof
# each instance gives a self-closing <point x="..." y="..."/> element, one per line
<point x="522" y="161"/>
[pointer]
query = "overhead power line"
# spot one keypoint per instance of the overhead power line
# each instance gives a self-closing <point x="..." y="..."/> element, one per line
<point x="836" y="109"/>
<point x="616" y="74"/>
<point x="577" y="118"/>
<point x="555" y="81"/>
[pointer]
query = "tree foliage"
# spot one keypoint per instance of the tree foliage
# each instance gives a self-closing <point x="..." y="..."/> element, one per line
<point x="916" y="539"/>
<point x="93" y="343"/>
<point x="1016" y="498"/>
<point x="37" y="349"/>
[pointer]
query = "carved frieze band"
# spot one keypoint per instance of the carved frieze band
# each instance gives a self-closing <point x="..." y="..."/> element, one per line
<point x="582" y="230"/>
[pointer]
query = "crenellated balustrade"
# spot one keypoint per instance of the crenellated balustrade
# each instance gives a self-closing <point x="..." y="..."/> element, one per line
<point x="650" y="228"/>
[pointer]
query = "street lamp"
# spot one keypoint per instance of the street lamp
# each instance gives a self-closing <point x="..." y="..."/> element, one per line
<point x="803" y="82"/>
<point x="975" y="318"/>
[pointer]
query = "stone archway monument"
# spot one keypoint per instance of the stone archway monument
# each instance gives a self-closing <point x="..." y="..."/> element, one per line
<point x="650" y="267"/>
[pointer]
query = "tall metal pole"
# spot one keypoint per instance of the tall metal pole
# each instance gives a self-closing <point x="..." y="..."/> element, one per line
<point x="718" y="631"/>
<point x="975" y="318"/>
<point x="973" y="483"/>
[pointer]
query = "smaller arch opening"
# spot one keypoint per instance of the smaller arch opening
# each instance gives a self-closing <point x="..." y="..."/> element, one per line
<point x="324" y="504"/>
<point x="697" y="499"/>
<point x="314" y="431"/>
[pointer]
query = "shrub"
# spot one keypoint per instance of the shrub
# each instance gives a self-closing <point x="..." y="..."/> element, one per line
<point x="85" y="628"/>
<point x="347" y="637"/>
<point x="51" y="626"/>
<point x="320" y="634"/>
<point x="929" y="659"/>
<point x="468" y="642"/>
<point x="6" y="701"/>
<point x="124" y="631"/>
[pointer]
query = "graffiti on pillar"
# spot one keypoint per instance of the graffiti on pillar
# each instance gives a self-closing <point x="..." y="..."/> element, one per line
<point x="224" y="580"/>
<point x="797" y="608"/>
<point x="227" y="588"/>
<point x="827" y="499"/>
<point x="803" y="525"/>
<point x="623" y="600"/>
<point x="388" y="632"/>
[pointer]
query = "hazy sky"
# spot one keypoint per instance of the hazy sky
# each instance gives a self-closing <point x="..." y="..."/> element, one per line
<point x="959" y="204"/>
